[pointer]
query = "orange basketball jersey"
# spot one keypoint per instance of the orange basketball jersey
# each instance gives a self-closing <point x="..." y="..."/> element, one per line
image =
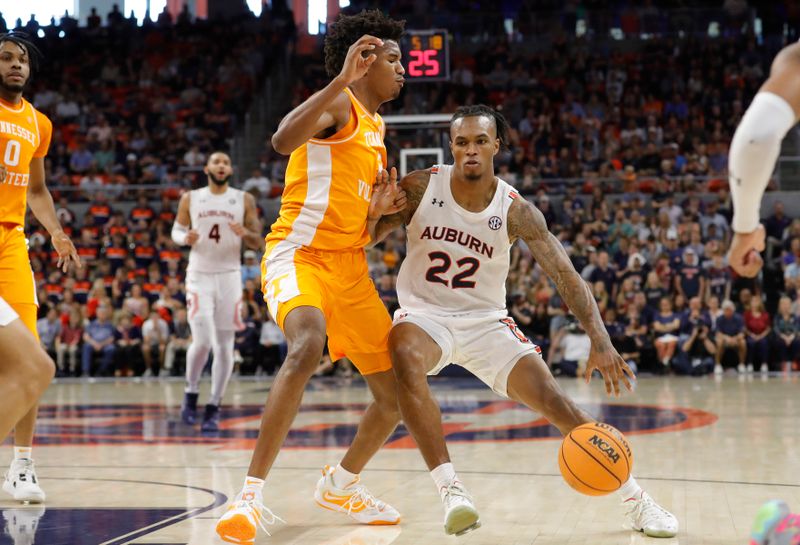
<point x="329" y="185"/>
<point x="24" y="134"/>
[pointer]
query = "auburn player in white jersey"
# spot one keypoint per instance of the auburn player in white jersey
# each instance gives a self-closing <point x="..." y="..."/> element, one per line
<point x="214" y="220"/>
<point x="754" y="150"/>
<point x="461" y="222"/>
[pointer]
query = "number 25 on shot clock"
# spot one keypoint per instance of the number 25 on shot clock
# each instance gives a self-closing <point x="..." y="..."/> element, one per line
<point x="426" y="55"/>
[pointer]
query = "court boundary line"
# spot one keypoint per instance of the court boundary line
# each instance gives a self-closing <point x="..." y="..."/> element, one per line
<point x="219" y="499"/>
<point x="387" y="470"/>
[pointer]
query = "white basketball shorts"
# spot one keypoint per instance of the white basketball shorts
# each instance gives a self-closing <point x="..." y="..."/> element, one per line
<point x="215" y="296"/>
<point x="488" y="346"/>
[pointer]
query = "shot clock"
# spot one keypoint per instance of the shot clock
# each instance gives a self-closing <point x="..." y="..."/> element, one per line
<point x="426" y="55"/>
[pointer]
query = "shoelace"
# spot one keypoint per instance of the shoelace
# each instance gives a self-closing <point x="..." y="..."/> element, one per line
<point x="265" y="514"/>
<point x="456" y="489"/>
<point x="646" y="503"/>
<point x="25" y="471"/>
<point x="361" y="497"/>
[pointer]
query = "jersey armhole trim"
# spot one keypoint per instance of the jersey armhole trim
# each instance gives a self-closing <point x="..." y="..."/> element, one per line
<point x="332" y="141"/>
<point x="36" y="123"/>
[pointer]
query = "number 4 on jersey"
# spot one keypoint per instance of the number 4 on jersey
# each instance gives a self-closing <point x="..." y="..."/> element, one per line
<point x="214" y="233"/>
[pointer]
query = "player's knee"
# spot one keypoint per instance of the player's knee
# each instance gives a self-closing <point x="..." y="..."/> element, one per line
<point x="36" y="375"/>
<point x="304" y="355"/>
<point x="408" y="363"/>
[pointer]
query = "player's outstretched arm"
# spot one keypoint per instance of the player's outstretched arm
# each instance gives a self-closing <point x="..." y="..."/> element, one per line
<point x="754" y="149"/>
<point x="525" y="221"/>
<point x="413" y="185"/>
<point x="328" y="110"/>
<point x="182" y="235"/>
<point x="41" y="202"/>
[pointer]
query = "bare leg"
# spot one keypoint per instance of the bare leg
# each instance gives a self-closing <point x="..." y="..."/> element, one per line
<point x="25" y="372"/>
<point x="23" y="431"/>
<point x="414" y="353"/>
<point x="532" y="384"/>
<point x="305" y="335"/>
<point x="377" y="423"/>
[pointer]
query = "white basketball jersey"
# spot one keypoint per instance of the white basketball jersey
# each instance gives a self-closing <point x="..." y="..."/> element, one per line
<point x="218" y="249"/>
<point x="457" y="261"/>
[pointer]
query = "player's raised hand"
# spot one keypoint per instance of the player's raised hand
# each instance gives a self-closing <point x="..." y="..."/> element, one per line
<point x="359" y="58"/>
<point x="745" y="253"/>
<point x="237" y="229"/>
<point x="605" y="358"/>
<point x="387" y="197"/>
<point x="192" y="237"/>
<point x="3" y="173"/>
<point x="66" y="251"/>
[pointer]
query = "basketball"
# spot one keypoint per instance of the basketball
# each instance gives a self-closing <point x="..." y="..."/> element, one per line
<point x="595" y="459"/>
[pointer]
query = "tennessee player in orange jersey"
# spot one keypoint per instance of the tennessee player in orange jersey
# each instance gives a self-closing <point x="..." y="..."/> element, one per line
<point x="24" y="139"/>
<point x="314" y="272"/>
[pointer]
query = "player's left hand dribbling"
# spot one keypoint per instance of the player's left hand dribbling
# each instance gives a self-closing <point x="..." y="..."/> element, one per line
<point x="604" y="358"/>
<point x="66" y="251"/>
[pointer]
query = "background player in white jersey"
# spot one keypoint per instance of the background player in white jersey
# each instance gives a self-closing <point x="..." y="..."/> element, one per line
<point x="461" y="222"/>
<point x="754" y="150"/>
<point x="214" y="220"/>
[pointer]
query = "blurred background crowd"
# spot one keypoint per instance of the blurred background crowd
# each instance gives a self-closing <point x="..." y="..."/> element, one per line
<point x="621" y="143"/>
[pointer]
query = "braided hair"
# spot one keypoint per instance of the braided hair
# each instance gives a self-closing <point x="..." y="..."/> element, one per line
<point x="23" y="40"/>
<point x="481" y="110"/>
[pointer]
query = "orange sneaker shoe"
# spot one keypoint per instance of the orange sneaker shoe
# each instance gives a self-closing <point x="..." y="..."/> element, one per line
<point x="244" y="516"/>
<point x="355" y="500"/>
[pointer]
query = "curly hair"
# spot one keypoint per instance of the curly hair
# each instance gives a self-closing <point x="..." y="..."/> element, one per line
<point x="349" y="28"/>
<point x="481" y="110"/>
<point x="24" y="41"/>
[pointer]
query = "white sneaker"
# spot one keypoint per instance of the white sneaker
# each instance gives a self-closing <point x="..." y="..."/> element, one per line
<point x="21" y="482"/>
<point x="741" y="368"/>
<point x="355" y="500"/>
<point x="718" y="369"/>
<point x="764" y="368"/>
<point x="21" y="524"/>
<point x="460" y="515"/>
<point x="244" y="516"/>
<point x="750" y="368"/>
<point x="645" y="515"/>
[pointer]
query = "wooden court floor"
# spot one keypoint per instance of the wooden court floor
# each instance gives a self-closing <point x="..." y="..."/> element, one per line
<point x="118" y="467"/>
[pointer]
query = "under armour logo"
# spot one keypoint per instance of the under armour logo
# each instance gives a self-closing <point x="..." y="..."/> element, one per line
<point x="435" y="202"/>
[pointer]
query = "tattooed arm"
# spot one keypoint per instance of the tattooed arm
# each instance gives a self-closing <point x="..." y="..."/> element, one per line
<point x="414" y="184"/>
<point x="526" y="222"/>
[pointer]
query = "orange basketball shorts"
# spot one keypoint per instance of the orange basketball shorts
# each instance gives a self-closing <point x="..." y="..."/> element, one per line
<point x="17" y="287"/>
<point x="338" y="284"/>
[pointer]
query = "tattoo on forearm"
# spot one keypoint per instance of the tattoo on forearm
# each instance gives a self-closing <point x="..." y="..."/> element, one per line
<point x="527" y="223"/>
<point x="414" y="184"/>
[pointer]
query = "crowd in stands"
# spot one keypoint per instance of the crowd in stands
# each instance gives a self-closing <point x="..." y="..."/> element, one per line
<point x="145" y="105"/>
<point x="624" y="150"/>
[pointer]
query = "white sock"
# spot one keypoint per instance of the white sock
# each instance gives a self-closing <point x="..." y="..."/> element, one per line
<point x="253" y="486"/>
<point x="343" y="478"/>
<point x="23" y="453"/>
<point x="630" y="489"/>
<point x="443" y="475"/>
